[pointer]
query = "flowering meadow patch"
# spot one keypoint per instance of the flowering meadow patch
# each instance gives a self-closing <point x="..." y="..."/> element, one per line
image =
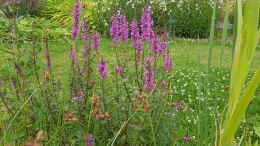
<point x="127" y="89"/>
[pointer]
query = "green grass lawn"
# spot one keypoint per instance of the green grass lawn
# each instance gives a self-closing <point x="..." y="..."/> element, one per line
<point x="187" y="53"/>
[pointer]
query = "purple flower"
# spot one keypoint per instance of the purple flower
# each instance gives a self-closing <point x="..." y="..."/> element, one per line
<point x="85" y="30"/>
<point x="147" y="24"/>
<point x="118" y="70"/>
<point x="186" y="139"/>
<point x="73" y="56"/>
<point x="76" y="20"/>
<point x="156" y="47"/>
<point x="138" y="45"/>
<point x="179" y="106"/>
<point x="114" y="30"/>
<point x="98" y="117"/>
<point x="85" y="36"/>
<point x="168" y="63"/>
<point x="90" y="140"/>
<point x="96" y="41"/>
<point x="148" y="62"/>
<point x="164" y="46"/>
<point x="79" y="95"/>
<point x="102" y="68"/>
<point x="134" y="30"/>
<point x="119" y="28"/>
<point x="124" y="29"/>
<point x="149" y="82"/>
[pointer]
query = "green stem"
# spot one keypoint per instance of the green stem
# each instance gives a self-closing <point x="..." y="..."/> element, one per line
<point x="212" y="31"/>
<point x="152" y="129"/>
<point x="224" y="33"/>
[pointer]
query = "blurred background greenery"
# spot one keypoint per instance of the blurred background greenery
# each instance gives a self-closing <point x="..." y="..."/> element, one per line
<point x="189" y="19"/>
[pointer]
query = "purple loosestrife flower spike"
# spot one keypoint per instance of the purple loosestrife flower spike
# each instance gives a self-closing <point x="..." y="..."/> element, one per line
<point x="85" y="30"/>
<point x="102" y="68"/>
<point x="73" y="56"/>
<point x="147" y="24"/>
<point x="124" y="29"/>
<point x="148" y="62"/>
<point x="114" y="27"/>
<point x="168" y="64"/>
<point x="90" y="140"/>
<point x="76" y="20"/>
<point x="119" y="29"/>
<point x="138" y="45"/>
<point x="85" y="36"/>
<point x="134" y="30"/>
<point x="96" y="42"/>
<point x="118" y="70"/>
<point x="156" y="47"/>
<point x="163" y="46"/>
<point x="149" y="82"/>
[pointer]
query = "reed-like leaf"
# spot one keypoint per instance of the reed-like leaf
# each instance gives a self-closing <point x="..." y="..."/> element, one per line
<point x="245" y="48"/>
<point x="246" y="42"/>
<point x="236" y="57"/>
<point x="235" y="28"/>
<point x="225" y="31"/>
<point x="212" y="33"/>
<point x="240" y="110"/>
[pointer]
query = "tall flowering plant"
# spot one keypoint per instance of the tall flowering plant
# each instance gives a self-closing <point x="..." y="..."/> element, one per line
<point x="148" y="48"/>
<point x="76" y="20"/>
<point x="147" y="24"/>
<point x="119" y="29"/>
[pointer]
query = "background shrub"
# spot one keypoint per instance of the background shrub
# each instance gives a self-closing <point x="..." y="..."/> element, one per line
<point x="192" y="18"/>
<point x="21" y="7"/>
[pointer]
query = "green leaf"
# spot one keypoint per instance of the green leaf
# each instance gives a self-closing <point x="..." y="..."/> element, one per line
<point x="225" y="32"/>
<point x="212" y="33"/>
<point x="246" y="42"/>
<point x="239" y="111"/>
<point x="257" y="131"/>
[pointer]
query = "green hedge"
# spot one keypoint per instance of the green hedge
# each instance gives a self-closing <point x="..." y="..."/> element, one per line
<point x="192" y="17"/>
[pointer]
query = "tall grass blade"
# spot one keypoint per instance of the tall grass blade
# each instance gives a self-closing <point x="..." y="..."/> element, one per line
<point x="212" y="33"/>
<point x="225" y="32"/>
<point x="235" y="28"/>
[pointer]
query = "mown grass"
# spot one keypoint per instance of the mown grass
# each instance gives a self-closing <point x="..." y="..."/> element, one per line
<point x="186" y="53"/>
